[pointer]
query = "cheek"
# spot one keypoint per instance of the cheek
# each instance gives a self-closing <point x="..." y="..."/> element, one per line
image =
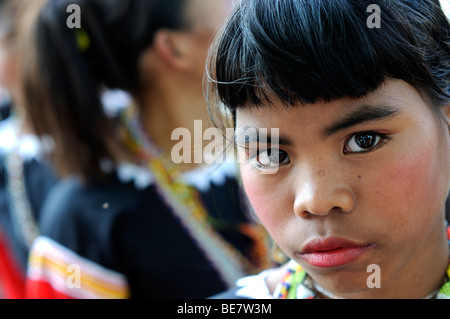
<point x="412" y="186"/>
<point x="268" y="197"/>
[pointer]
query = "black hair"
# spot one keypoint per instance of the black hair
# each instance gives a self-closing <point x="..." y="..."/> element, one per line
<point x="68" y="67"/>
<point x="304" y="51"/>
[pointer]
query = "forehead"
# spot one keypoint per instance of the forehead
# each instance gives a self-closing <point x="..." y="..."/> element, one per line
<point x="393" y="93"/>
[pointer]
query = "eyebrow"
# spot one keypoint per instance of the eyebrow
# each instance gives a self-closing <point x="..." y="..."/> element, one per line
<point x="252" y="138"/>
<point x="362" y="115"/>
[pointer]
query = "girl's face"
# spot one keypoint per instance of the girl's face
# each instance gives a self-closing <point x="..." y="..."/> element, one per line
<point x="359" y="182"/>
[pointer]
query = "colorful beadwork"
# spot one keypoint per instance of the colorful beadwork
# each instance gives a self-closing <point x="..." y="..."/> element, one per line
<point x="444" y="292"/>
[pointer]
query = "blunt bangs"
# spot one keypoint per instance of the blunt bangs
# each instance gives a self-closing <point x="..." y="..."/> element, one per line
<point x="305" y="51"/>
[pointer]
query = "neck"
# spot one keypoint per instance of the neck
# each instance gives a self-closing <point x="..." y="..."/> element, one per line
<point x="163" y="111"/>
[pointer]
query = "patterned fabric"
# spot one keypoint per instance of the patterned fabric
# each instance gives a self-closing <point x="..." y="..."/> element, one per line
<point x="58" y="271"/>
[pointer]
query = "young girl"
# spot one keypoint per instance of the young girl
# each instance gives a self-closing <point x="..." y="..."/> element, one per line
<point x="126" y="222"/>
<point x="357" y="200"/>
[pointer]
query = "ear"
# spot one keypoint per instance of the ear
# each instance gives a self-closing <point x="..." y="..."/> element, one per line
<point x="172" y="49"/>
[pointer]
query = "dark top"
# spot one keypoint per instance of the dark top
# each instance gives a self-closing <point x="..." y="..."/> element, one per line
<point x="132" y="232"/>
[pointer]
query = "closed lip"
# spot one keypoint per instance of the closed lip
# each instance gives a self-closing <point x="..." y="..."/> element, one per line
<point x="330" y="243"/>
<point x="332" y="251"/>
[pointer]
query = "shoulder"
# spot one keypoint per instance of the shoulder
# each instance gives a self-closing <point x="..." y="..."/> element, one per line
<point x="77" y="214"/>
<point x="87" y="224"/>
<point x="72" y="203"/>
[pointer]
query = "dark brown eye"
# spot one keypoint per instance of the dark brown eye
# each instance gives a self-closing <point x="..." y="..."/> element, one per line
<point x="271" y="157"/>
<point x="364" y="142"/>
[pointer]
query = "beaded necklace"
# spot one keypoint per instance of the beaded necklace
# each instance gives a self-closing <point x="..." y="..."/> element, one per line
<point x="24" y="223"/>
<point x="185" y="203"/>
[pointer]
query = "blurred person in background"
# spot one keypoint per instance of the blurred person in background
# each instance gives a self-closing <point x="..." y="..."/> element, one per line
<point x="25" y="174"/>
<point x="125" y="221"/>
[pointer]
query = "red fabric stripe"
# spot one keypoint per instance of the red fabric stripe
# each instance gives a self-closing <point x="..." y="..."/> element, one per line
<point x="39" y="289"/>
<point x="12" y="280"/>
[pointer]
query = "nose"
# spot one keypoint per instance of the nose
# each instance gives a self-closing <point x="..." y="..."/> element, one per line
<point x="322" y="192"/>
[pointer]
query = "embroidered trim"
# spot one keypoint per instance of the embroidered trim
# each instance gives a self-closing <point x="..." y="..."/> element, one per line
<point x="53" y="263"/>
